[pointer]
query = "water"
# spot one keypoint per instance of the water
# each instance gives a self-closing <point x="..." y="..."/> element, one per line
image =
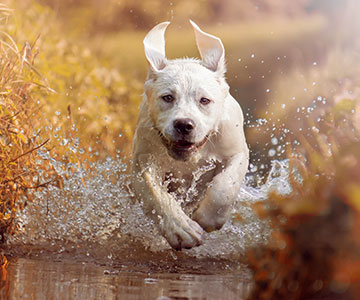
<point x="89" y="240"/>
<point x="44" y="279"/>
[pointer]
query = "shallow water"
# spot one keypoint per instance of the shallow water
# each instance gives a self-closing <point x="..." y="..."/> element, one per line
<point x="64" y="279"/>
<point x="89" y="240"/>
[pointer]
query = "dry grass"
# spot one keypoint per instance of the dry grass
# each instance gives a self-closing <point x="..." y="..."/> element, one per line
<point x="49" y="87"/>
<point x="18" y="138"/>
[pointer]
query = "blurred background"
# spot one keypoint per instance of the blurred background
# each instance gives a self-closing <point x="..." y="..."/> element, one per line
<point x="282" y="56"/>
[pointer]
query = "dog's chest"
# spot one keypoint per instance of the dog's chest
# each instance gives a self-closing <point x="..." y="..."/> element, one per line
<point x="187" y="182"/>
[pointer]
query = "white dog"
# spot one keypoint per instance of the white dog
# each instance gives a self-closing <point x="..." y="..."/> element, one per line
<point x="189" y="150"/>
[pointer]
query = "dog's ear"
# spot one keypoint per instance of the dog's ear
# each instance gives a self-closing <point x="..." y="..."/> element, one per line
<point x="154" y="45"/>
<point x="211" y="50"/>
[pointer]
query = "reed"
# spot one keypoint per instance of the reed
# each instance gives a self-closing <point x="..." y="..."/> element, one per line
<point x="19" y="139"/>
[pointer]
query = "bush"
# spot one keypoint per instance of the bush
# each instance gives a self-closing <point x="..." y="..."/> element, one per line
<point x="315" y="250"/>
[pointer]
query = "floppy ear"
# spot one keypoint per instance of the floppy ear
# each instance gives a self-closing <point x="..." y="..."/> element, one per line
<point x="154" y="45"/>
<point x="211" y="50"/>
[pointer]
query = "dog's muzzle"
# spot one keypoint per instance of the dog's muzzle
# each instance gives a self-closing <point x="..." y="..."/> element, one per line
<point x="181" y="149"/>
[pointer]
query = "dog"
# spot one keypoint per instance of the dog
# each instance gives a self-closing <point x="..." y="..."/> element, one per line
<point x="189" y="150"/>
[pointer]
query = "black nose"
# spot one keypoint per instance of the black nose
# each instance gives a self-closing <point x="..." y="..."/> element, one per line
<point x="184" y="126"/>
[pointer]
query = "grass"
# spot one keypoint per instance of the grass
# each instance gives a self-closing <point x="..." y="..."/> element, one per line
<point x="50" y="87"/>
<point x="18" y="138"/>
<point x="103" y="99"/>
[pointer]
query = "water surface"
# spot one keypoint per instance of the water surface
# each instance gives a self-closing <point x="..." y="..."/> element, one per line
<point x="66" y="279"/>
<point x="89" y="240"/>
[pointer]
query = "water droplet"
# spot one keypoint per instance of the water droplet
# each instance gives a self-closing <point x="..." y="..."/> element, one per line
<point x="272" y="152"/>
<point x="274" y="141"/>
<point x="73" y="149"/>
<point x="315" y="129"/>
<point x="253" y="168"/>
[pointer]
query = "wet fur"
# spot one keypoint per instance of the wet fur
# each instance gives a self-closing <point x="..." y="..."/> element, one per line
<point x="165" y="162"/>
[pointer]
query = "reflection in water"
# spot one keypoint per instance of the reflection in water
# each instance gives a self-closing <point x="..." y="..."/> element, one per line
<point x="44" y="279"/>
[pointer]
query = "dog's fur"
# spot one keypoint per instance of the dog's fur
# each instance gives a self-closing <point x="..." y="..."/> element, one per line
<point x="189" y="145"/>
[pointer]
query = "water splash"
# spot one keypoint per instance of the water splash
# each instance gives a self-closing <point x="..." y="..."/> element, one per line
<point x="96" y="216"/>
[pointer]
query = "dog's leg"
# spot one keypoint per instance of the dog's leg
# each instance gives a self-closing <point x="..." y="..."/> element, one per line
<point x="215" y="207"/>
<point x="176" y="226"/>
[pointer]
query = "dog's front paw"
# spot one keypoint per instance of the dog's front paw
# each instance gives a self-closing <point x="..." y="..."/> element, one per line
<point x="211" y="218"/>
<point x="182" y="232"/>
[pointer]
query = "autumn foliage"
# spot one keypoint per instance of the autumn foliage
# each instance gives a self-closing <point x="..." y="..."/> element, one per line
<point x="18" y="137"/>
<point x="315" y="250"/>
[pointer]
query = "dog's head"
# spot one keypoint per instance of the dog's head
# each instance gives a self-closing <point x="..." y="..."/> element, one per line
<point x="185" y="96"/>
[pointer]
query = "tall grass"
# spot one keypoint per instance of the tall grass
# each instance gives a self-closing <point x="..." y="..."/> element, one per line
<point x="103" y="99"/>
<point x="19" y="139"/>
<point x="54" y="95"/>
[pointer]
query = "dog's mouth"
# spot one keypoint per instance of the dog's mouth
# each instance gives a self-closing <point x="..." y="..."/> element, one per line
<point x="183" y="145"/>
<point x="181" y="149"/>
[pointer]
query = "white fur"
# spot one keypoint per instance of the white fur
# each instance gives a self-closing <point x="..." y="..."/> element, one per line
<point x="214" y="172"/>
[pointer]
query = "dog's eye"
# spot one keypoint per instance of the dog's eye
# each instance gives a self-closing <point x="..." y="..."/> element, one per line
<point x="168" y="98"/>
<point x="205" y="101"/>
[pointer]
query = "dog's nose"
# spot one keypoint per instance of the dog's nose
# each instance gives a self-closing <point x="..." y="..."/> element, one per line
<point x="184" y="126"/>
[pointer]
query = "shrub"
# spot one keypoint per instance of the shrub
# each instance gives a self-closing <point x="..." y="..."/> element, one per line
<point x="315" y="248"/>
